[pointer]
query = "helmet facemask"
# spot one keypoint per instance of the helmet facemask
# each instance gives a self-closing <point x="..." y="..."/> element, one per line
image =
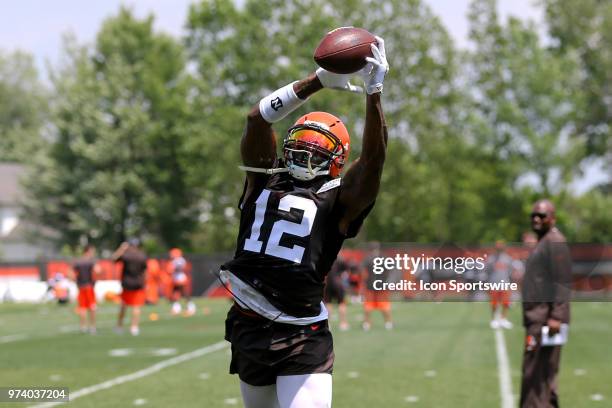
<point x="310" y="150"/>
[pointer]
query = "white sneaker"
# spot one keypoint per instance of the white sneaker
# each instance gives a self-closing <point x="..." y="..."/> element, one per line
<point x="344" y="326"/>
<point x="506" y="324"/>
<point x="191" y="309"/>
<point x="134" y="331"/>
<point x="494" y="324"/>
<point x="93" y="331"/>
<point x="389" y="325"/>
<point x="176" y="308"/>
<point x="366" y="326"/>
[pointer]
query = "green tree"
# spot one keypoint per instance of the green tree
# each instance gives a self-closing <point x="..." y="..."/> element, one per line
<point x="244" y="52"/>
<point x="527" y="99"/>
<point x="23" y="107"/>
<point x="241" y="53"/>
<point x="117" y="166"/>
<point x="585" y="28"/>
<point x="588" y="218"/>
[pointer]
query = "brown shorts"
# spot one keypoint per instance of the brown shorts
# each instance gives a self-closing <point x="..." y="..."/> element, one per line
<point x="263" y="350"/>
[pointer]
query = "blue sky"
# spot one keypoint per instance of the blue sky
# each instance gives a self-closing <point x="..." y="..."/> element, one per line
<point x="37" y="26"/>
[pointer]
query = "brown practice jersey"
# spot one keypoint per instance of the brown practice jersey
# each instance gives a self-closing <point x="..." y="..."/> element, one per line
<point x="84" y="271"/>
<point x="547" y="282"/>
<point x="134" y="267"/>
<point x="288" y="240"/>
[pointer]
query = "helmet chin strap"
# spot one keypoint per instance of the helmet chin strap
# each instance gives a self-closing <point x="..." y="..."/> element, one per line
<point x="298" y="172"/>
<point x="262" y="170"/>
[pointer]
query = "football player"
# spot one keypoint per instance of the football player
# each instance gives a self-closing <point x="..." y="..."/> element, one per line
<point x="335" y="290"/>
<point x="84" y="272"/>
<point x="296" y="211"/>
<point x="177" y="266"/>
<point x="134" y="263"/>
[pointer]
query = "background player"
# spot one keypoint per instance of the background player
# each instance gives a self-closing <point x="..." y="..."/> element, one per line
<point x="84" y="272"/>
<point x="59" y="288"/>
<point x="375" y="299"/>
<point x="295" y="214"/>
<point x="499" y="267"/>
<point x="335" y="290"/>
<point x="177" y="267"/>
<point x="132" y="283"/>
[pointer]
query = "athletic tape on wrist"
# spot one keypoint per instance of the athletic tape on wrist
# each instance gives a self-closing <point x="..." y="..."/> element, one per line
<point x="280" y="103"/>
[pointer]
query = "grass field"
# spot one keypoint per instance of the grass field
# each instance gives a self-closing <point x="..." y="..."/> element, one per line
<point x="438" y="355"/>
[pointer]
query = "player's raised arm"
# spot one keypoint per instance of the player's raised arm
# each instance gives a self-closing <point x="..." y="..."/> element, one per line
<point x="258" y="145"/>
<point x="362" y="179"/>
<point x="119" y="251"/>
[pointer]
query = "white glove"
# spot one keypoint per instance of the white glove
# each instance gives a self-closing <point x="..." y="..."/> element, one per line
<point x="337" y="81"/>
<point x="374" y="73"/>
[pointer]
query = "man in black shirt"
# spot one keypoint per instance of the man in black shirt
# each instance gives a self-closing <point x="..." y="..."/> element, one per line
<point x="546" y="302"/>
<point x="84" y="272"/>
<point x="134" y="265"/>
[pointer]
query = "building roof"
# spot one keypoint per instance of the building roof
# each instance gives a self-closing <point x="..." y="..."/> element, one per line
<point x="10" y="189"/>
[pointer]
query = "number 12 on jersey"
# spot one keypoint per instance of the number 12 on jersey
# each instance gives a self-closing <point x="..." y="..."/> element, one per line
<point x="280" y="227"/>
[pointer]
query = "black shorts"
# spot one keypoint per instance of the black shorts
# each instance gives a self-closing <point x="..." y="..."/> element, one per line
<point x="263" y="349"/>
<point x="334" y="293"/>
<point x="180" y="289"/>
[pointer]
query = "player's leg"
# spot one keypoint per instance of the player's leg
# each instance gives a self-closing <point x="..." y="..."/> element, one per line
<point x="191" y="307"/>
<point x="386" y="311"/>
<point x="258" y="397"/>
<point x="494" y="301"/>
<point x="121" y="315"/>
<point x="176" y="297"/>
<point x="369" y="304"/>
<point x="340" y="298"/>
<point x="82" y="310"/>
<point x="134" y="330"/>
<point x="82" y="319"/>
<point x="92" y="319"/>
<point x="367" y="311"/>
<point x="344" y="325"/>
<point x="304" y="391"/>
<point x="91" y="310"/>
<point x="505" y="305"/>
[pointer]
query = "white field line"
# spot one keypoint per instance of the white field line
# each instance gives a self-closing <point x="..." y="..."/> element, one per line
<point x="503" y="366"/>
<point x="13" y="337"/>
<point x="139" y="374"/>
<point x="67" y="328"/>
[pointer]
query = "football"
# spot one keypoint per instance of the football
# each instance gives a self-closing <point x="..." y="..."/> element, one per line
<point x="344" y="50"/>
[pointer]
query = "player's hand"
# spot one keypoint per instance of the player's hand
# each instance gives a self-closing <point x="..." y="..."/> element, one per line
<point x="337" y="81"/>
<point x="374" y="72"/>
<point x="553" y="326"/>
